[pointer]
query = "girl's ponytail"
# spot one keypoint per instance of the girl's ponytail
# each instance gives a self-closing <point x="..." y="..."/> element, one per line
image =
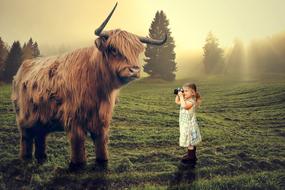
<point x="198" y="99"/>
<point x="197" y="94"/>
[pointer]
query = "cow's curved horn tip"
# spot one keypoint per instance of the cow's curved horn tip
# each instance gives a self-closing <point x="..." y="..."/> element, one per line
<point x="165" y="38"/>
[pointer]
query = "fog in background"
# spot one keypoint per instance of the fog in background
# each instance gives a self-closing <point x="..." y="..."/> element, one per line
<point x="60" y="26"/>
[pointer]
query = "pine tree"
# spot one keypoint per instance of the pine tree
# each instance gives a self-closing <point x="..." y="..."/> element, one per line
<point x="13" y="62"/>
<point x="3" y="55"/>
<point x="213" y="55"/>
<point x="235" y="62"/>
<point x="28" y="50"/>
<point x="160" y="60"/>
<point x="36" y="51"/>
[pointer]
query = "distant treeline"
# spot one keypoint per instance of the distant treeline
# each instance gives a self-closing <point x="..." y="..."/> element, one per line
<point x="268" y="55"/>
<point x="260" y="56"/>
<point x="11" y="58"/>
<point x="256" y="58"/>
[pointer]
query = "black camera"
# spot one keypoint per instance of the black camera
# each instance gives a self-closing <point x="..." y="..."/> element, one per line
<point x="176" y="90"/>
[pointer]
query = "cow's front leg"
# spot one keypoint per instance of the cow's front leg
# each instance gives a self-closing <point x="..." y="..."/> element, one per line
<point x="26" y="143"/>
<point x="77" y="141"/>
<point x="40" y="142"/>
<point x="101" y="135"/>
<point x="40" y="147"/>
<point x="101" y="139"/>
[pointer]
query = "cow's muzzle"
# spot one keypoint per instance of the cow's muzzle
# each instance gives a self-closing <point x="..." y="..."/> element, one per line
<point x="134" y="70"/>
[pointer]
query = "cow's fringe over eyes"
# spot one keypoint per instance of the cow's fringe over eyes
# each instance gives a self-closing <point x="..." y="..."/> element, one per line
<point x="122" y="40"/>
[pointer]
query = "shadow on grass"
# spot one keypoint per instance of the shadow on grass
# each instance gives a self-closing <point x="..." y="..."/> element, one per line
<point x="185" y="174"/>
<point x="18" y="174"/>
<point x="93" y="177"/>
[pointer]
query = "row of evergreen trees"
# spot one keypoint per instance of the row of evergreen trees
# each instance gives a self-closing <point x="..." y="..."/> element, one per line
<point x="160" y="60"/>
<point x="260" y="56"/>
<point x="11" y="58"/>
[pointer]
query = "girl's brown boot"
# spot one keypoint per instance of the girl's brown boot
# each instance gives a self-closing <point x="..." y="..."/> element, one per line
<point x="190" y="157"/>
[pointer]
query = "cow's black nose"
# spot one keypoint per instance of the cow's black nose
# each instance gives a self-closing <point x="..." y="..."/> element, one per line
<point x="134" y="69"/>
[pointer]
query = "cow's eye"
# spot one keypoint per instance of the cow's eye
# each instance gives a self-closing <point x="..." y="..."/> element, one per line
<point x="113" y="51"/>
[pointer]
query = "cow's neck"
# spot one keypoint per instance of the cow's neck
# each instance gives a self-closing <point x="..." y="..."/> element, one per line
<point x="105" y="81"/>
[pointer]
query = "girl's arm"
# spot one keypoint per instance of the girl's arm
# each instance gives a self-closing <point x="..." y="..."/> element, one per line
<point x="177" y="100"/>
<point x="185" y="105"/>
<point x="188" y="105"/>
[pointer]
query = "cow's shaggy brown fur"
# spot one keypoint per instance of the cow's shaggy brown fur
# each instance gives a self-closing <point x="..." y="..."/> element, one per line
<point x="75" y="91"/>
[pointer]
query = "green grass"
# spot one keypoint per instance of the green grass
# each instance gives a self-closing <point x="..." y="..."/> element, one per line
<point x="242" y="125"/>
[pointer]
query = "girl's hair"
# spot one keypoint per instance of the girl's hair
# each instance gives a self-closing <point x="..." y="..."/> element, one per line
<point x="197" y="94"/>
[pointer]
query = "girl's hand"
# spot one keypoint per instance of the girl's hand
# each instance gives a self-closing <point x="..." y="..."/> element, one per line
<point x="177" y="100"/>
<point x="180" y="94"/>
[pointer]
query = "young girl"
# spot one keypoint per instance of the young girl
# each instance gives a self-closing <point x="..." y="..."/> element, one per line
<point x="190" y="135"/>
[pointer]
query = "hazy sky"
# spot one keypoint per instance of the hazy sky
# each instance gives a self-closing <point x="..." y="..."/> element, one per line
<point x="56" y="22"/>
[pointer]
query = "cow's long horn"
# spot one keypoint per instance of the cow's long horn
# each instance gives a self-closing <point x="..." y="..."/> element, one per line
<point x="153" y="41"/>
<point x="99" y="31"/>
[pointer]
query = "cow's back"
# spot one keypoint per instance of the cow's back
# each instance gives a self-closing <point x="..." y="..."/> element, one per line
<point x="31" y="90"/>
<point x="51" y="88"/>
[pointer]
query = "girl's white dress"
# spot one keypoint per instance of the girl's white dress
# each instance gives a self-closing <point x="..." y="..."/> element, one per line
<point x="189" y="129"/>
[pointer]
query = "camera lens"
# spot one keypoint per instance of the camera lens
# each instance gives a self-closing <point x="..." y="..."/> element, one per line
<point x="176" y="91"/>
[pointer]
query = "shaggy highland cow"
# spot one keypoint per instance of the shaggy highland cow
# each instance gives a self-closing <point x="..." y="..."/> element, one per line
<point x="75" y="92"/>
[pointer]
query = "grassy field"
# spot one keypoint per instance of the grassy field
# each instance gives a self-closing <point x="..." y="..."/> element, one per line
<point x="242" y="125"/>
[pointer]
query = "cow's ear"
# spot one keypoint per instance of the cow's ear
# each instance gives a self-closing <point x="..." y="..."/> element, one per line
<point x="101" y="43"/>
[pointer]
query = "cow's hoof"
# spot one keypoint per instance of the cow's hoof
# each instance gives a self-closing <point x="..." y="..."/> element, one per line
<point x="101" y="161"/>
<point x="41" y="158"/>
<point x="26" y="157"/>
<point x="76" y="166"/>
<point x="101" y="165"/>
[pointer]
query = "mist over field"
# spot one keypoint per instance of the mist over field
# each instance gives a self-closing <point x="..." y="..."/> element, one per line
<point x="257" y="57"/>
<point x="251" y="33"/>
